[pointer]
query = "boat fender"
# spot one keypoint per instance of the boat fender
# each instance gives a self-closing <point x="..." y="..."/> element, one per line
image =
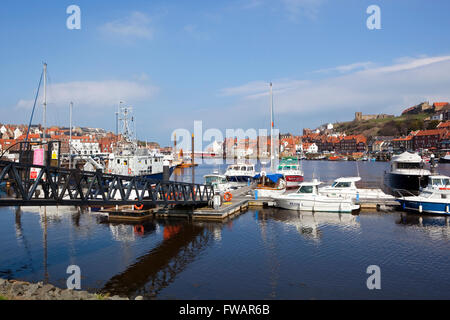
<point x="129" y="170"/>
<point x="420" y="208"/>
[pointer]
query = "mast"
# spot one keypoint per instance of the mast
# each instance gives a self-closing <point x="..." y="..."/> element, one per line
<point x="45" y="101"/>
<point x="272" y="156"/>
<point x="70" y="137"/>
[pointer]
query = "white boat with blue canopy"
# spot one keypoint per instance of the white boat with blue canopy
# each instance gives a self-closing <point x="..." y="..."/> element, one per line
<point x="433" y="199"/>
<point x="269" y="185"/>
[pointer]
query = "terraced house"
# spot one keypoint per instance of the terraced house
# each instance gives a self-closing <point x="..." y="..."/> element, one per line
<point x="429" y="139"/>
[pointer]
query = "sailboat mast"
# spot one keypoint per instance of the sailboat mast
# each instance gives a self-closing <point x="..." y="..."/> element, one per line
<point x="45" y="101"/>
<point x="272" y="157"/>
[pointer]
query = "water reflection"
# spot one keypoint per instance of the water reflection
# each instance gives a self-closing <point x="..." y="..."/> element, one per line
<point x="182" y="243"/>
<point x="437" y="227"/>
<point x="309" y="224"/>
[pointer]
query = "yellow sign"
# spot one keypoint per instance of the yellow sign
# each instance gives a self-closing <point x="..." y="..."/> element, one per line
<point x="54" y="155"/>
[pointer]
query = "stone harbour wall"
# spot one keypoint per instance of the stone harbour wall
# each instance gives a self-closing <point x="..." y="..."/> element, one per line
<point x="19" y="290"/>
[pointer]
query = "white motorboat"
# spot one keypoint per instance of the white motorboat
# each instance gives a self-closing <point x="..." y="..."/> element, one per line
<point x="434" y="198"/>
<point x="218" y="181"/>
<point x="346" y="188"/>
<point x="270" y="185"/>
<point x="240" y="173"/>
<point x="407" y="172"/>
<point x="307" y="198"/>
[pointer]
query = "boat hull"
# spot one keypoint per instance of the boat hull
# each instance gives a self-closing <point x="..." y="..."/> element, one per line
<point x="243" y="179"/>
<point x="158" y="176"/>
<point x="411" y="183"/>
<point x="316" y="205"/>
<point x="269" y="192"/>
<point x="293" y="181"/>
<point x="429" y="207"/>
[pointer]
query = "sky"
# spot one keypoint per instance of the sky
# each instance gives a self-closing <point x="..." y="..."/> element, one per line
<point x="176" y="62"/>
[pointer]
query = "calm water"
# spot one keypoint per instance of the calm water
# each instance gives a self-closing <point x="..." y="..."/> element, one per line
<point x="261" y="254"/>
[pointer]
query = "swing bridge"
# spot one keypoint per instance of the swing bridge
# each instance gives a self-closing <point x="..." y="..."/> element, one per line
<point x="34" y="185"/>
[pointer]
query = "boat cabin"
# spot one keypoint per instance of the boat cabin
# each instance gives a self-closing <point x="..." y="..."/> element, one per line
<point x="345" y="183"/>
<point x="310" y="188"/>
<point x="211" y="179"/>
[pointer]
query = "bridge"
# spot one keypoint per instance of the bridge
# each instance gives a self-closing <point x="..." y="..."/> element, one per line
<point x="34" y="185"/>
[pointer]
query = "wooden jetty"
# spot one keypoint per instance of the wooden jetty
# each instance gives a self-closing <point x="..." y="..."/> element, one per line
<point x="240" y="203"/>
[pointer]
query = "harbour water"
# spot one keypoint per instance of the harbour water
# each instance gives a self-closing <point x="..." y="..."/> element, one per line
<point x="261" y="254"/>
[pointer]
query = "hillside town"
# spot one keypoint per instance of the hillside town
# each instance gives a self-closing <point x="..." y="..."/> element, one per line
<point x="84" y="141"/>
<point x="325" y="141"/>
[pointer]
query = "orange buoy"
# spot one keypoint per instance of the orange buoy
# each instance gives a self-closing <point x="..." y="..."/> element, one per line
<point x="139" y="229"/>
<point x="227" y="196"/>
<point x="139" y="207"/>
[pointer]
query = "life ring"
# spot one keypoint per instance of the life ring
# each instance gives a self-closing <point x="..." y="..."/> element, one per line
<point x="139" y="229"/>
<point x="139" y="207"/>
<point x="227" y="196"/>
<point x="129" y="170"/>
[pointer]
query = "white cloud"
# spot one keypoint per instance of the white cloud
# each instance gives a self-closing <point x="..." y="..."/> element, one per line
<point x="308" y="8"/>
<point x="136" y="25"/>
<point x="94" y="94"/>
<point x="347" y="68"/>
<point x="377" y="89"/>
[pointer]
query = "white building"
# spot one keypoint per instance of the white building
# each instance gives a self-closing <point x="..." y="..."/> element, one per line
<point x="17" y="133"/>
<point x="85" y="147"/>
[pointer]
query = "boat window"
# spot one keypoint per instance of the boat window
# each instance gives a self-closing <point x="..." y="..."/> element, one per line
<point x="403" y="165"/>
<point x="445" y="182"/>
<point x="436" y="182"/>
<point x="118" y="161"/>
<point x="305" y="189"/>
<point x="243" y="168"/>
<point x="342" y="185"/>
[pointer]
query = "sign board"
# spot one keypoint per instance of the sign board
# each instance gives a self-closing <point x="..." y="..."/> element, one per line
<point x="38" y="159"/>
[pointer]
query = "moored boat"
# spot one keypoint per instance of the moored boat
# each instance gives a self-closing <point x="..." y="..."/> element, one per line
<point x="307" y="198"/>
<point x="433" y="199"/>
<point x="291" y="171"/>
<point x="407" y="173"/>
<point x="270" y="185"/>
<point x="240" y="173"/>
<point x="346" y="188"/>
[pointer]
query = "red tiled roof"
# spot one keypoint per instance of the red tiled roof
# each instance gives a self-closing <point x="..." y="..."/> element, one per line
<point x="431" y="132"/>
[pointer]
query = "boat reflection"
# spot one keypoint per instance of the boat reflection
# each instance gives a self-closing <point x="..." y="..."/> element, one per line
<point x="154" y="271"/>
<point x="309" y="224"/>
<point x="437" y="227"/>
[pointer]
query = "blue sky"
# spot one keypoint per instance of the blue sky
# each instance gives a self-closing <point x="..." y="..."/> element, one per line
<point x="180" y="61"/>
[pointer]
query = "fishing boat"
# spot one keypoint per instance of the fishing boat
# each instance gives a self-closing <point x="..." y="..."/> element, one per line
<point x="407" y="172"/>
<point x="307" y="198"/>
<point x="290" y="169"/>
<point x="270" y="185"/>
<point x="345" y="187"/>
<point x="433" y="199"/>
<point x="128" y="159"/>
